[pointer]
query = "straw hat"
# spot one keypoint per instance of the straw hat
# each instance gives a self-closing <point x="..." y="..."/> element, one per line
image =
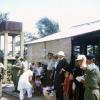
<point x="61" y="53"/>
<point x="80" y="57"/>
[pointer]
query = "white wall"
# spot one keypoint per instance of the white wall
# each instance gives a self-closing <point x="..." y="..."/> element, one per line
<point x="39" y="51"/>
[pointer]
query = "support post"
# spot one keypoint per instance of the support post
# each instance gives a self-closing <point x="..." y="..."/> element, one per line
<point x="13" y="46"/>
<point x="22" y="44"/>
<point x="5" y="55"/>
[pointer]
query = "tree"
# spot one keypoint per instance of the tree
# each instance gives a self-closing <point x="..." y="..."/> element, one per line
<point x="46" y="27"/>
<point x="29" y="37"/>
<point x="1" y="56"/>
<point x="3" y="17"/>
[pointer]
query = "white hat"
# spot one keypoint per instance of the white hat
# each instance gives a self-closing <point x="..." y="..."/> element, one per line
<point x="61" y="53"/>
<point x="80" y="57"/>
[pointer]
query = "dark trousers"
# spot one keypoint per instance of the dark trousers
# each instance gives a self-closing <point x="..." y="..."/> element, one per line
<point x="59" y="93"/>
<point x="79" y="92"/>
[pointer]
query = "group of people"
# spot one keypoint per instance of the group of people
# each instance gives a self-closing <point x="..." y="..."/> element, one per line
<point x="29" y="78"/>
<point x="81" y="82"/>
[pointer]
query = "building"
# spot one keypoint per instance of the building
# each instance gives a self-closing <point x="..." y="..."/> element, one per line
<point x="80" y="39"/>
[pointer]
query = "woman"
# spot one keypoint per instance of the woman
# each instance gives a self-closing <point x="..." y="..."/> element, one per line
<point x="68" y="84"/>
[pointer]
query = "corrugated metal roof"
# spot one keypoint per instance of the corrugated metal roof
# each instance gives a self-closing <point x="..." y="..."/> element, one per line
<point x="73" y="31"/>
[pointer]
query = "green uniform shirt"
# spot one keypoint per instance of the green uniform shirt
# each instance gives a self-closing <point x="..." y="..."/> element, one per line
<point x="92" y="83"/>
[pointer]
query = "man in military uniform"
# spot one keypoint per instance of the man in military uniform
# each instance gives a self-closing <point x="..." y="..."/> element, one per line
<point x="92" y="77"/>
<point x="17" y="70"/>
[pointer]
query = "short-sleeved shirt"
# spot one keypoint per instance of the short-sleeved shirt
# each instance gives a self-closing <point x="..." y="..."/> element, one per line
<point x="92" y="76"/>
<point x="51" y="65"/>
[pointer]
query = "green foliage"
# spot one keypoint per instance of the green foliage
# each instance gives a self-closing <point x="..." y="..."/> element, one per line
<point x="46" y="27"/>
<point x="1" y="53"/>
<point x="1" y="56"/>
<point x="29" y="37"/>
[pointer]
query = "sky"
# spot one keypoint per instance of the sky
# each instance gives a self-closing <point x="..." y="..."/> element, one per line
<point x="66" y="12"/>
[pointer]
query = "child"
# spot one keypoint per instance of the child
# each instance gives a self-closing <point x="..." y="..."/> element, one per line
<point x="39" y="69"/>
<point x="68" y="82"/>
<point x="38" y="88"/>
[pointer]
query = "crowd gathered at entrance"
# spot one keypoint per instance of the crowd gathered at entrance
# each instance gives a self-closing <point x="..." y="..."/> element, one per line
<point x="57" y="80"/>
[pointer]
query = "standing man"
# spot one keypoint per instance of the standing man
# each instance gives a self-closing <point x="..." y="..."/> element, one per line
<point x="17" y="70"/>
<point x="24" y="64"/>
<point x="48" y="88"/>
<point x="59" y="75"/>
<point x="79" y="86"/>
<point x="92" y="77"/>
<point x="50" y="69"/>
